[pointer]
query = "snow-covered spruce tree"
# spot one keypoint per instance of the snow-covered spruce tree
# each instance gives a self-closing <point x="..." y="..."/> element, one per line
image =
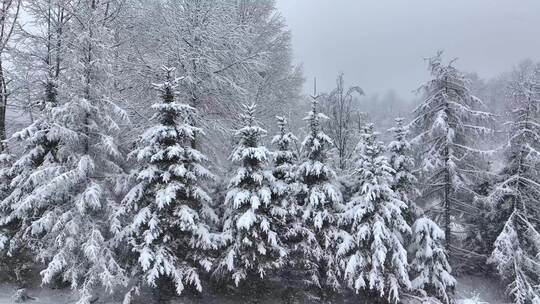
<point x="38" y="145"/>
<point x="168" y="209"/>
<point x="430" y="267"/>
<point x="40" y="148"/>
<point x="283" y="170"/>
<point x="253" y="247"/>
<point x="402" y="162"/>
<point x="65" y="202"/>
<point x="445" y="127"/>
<point x="15" y="176"/>
<point x="287" y="209"/>
<point x="38" y="142"/>
<point x="371" y="251"/>
<point x="516" y="252"/>
<point x="320" y="201"/>
<point x="431" y="270"/>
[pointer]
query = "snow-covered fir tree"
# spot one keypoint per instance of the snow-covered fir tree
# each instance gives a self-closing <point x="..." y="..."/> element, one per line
<point x="429" y="265"/>
<point x="402" y="162"/>
<point x="516" y="253"/>
<point x="445" y="126"/>
<point x="40" y="148"/>
<point x="168" y="209"/>
<point x="253" y="247"/>
<point x="320" y="201"/>
<point x="372" y="251"/>
<point x="284" y="168"/>
<point x="283" y="194"/>
<point x="63" y="200"/>
<point x="431" y="270"/>
<point x="37" y="142"/>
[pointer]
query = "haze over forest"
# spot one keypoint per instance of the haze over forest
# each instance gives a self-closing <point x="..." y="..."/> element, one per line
<point x="380" y="45"/>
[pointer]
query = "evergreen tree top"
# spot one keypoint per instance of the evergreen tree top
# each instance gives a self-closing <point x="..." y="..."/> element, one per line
<point x="315" y="142"/>
<point x="284" y="138"/>
<point x="249" y="149"/>
<point x="400" y="130"/>
<point x="448" y="102"/>
<point x="250" y="128"/>
<point x="369" y="146"/>
<point x="448" y="121"/>
<point x="400" y="148"/>
<point x="169" y="139"/>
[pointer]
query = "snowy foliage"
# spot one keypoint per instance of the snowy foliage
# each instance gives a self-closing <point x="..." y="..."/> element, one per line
<point x="340" y="105"/>
<point x="62" y="197"/>
<point x="320" y="201"/>
<point x="372" y="250"/>
<point x="516" y="258"/>
<point x="228" y="53"/>
<point x="284" y="168"/>
<point x="429" y="263"/>
<point x="402" y="162"/>
<point x="445" y="126"/>
<point x="168" y="209"/>
<point x="6" y="160"/>
<point x="285" y="156"/>
<point x="76" y="207"/>
<point x="517" y="249"/>
<point x="252" y="219"/>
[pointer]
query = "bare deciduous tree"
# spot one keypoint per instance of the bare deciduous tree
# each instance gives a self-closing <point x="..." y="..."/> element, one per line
<point x="9" y="12"/>
<point x="340" y="107"/>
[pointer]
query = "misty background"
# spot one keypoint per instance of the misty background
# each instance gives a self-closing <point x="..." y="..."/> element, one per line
<point x="380" y="45"/>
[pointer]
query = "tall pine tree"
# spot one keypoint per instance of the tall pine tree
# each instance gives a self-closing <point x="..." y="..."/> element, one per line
<point x="168" y="210"/>
<point x="320" y="201"/>
<point x="402" y="162"/>
<point x="284" y="169"/>
<point x="372" y="252"/>
<point x="445" y="126"/>
<point x="253" y="247"/>
<point x="63" y="201"/>
<point x="430" y="270"/>
<point x="516" y="252"/>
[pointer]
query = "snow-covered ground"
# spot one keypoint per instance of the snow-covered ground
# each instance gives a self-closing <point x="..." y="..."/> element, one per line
<point x="41" y="295"/>
<point x="479" y="290"/>
<point x="470" y="290"/>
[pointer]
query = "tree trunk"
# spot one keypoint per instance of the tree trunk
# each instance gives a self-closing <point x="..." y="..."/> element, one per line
<point x="447" y="207"/>
<point x="3" y="106"/>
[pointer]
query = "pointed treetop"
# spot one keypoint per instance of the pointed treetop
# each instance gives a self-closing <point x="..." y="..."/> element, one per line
<point x="167" y="88"/>
<point x="168" y="70"/>
<point x="400" y="130"/>
<point x="249" y="113"/>
<point x="368" y="131"/>
<point x="399" y="121"/>
<point x="282" y="124"/>
<point x="314" y="103"/>
<point x="435" y="63"/>
<point x="314" y="116"/>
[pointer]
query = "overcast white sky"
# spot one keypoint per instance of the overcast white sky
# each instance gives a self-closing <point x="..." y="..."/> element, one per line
<point x="379" y="44"/>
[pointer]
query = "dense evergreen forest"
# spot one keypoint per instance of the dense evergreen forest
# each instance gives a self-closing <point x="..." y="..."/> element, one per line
<point x="163" y="151"/>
